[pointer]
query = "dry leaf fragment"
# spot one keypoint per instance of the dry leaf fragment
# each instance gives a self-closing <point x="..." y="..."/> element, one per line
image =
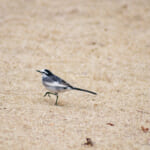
<point x="89" y="142"/>
<point x="111" y="124"/>
<point x="145" y="130"/>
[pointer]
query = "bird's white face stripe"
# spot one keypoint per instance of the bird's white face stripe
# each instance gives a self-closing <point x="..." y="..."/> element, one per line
<point x="54" y="84"/>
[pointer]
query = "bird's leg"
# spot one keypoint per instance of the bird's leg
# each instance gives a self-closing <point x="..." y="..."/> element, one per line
<point x="47" y="93"/>
<point x="56" y="98"/>
<point x="56" y="94"/>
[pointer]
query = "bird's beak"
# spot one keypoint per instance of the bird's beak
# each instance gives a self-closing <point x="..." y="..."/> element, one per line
<point x="39" y="71"/>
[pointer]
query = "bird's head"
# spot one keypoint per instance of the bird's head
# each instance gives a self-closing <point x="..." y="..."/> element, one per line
<point x="45" y="72"/>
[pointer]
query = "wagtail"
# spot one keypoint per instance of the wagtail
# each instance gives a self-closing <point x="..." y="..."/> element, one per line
<point x="55" y="85"/>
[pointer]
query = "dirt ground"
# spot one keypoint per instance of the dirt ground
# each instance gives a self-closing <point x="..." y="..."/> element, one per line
<point x="99" y="45"/>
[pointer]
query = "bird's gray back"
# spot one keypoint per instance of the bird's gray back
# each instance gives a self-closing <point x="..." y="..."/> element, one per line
<point x="54" y="78"/>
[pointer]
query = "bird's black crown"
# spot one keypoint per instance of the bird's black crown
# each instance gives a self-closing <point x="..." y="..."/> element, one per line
<point x="47" y="72"/>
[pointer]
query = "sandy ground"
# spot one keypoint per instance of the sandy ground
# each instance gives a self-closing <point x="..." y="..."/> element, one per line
<point x="98" y="45"/>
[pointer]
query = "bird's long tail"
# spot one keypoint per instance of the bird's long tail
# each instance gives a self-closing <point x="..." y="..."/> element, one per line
<point x="74" y="88"/>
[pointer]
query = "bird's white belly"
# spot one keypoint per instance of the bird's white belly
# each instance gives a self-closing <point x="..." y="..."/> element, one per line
<point x="55" y="88"/>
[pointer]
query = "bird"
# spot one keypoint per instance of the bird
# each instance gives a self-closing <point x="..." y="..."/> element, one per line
<point x="55" y="84"/>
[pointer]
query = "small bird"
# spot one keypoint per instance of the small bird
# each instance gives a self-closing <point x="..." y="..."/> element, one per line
<point x="55" y="85"/>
